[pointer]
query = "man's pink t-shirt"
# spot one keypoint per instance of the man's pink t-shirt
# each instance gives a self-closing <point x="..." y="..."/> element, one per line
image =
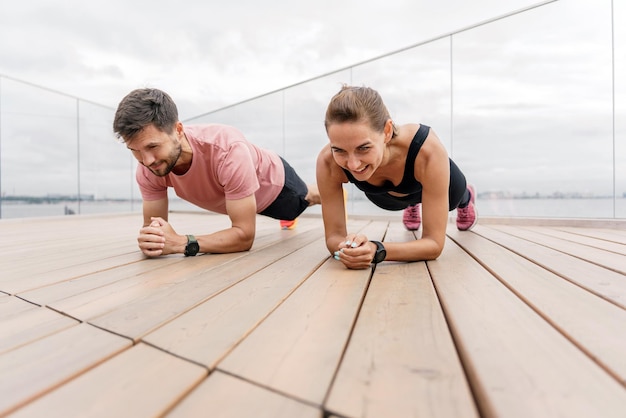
<point x="224" y="166"/>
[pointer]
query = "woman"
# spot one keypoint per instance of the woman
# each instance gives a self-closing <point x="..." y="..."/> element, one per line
<point x="399" y="168"/>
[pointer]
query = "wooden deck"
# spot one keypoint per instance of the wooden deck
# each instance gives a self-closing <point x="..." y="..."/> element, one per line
<point x="513" y="320"/>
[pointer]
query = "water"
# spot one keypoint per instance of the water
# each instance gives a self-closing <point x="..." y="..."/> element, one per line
<point x="11" y="210"/>
<point x="545" y="208"/>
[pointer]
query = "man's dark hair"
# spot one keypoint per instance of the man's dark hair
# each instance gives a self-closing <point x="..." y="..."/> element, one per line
<point x="143" y="107"/>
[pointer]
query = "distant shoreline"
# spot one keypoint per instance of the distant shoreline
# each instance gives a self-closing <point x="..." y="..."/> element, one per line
<point x="38" y="200"/>
<point x="523" y="206"/>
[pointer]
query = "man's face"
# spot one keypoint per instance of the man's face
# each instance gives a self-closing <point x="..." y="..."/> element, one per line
<point x="156" y="150"/>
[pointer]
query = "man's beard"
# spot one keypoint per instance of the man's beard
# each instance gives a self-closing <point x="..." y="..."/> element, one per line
<point x="171" y="162"/>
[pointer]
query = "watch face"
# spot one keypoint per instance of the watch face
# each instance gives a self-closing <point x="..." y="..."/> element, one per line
<point x="192" y="247"/>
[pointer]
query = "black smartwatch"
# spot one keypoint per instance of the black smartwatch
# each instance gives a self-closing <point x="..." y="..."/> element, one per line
<point x="192" y="246"/>
<point x="381" y="253"/>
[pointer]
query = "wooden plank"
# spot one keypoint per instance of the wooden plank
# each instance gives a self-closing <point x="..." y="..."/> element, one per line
<point x="69" y="245"/>
<point x="610" y="235"/>
<point x="592" y="323"/>
<point x="118" y="291"/>
<point x="222" y="395"/>
<point x="396" y="232"/>
<point x="602" y="244"/>
<point x="74" y="280"/>
<point x="62" y="257"/>
<point x="59" y="228"/>
<point x="517" y="363"/>
<point x="103" y="292"/>
<point x="165" y="301"/>
<point x="61" y="246"/>
<point x="82" y="254"/>
<point x="77" y="234"/>
<point x="297" y="349"/>
<point x="26" y="325"/>
<point x="401" y="359"/>
<point x="597" y="256"/>
<point x="26" y="281"/>
<point x="605" y="223"/>
<point x="10" y="305"/>
<point x="140" y="382"/>
<point x="607" y="284"/>
<point x="206" y="333"/>
<point x="34" y="369"/>
<point x="79" y="250"/>
<point x="47" y="289"/>
<point x="71" y="236"/>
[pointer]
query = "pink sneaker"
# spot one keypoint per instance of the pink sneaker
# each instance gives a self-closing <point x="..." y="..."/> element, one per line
<point x="412" y="217"/>
<point x="466" y="217"/>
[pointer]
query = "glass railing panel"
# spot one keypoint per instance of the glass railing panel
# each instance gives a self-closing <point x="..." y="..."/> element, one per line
<point x="619" y="10"/>
<point x="305" y="135"/>
<point x="532" y="111"/>
<point x="39" y="141"/>
<point x="259" y="119"/>
<point x="106" y="165"/>
<point x="415" y="86"/>
<point x="528" y="105"/>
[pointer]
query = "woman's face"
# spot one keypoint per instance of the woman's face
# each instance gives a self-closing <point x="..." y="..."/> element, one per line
<point x="358" y="148"/>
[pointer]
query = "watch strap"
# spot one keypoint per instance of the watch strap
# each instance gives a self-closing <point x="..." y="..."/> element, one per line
<point x="380" y="254"/>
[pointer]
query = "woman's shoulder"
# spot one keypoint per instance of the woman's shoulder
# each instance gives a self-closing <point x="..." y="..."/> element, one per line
<point x="408" y="127"/>
<point x="407" y="131"/>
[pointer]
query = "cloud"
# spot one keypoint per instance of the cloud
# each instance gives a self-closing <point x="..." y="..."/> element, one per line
<point x="213" y="53"/>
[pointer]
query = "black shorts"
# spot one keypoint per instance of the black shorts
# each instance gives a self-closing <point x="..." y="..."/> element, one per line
<point x="291" y="201"/>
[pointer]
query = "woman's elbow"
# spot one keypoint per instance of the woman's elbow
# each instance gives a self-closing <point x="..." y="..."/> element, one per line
<point x="434" y="251"/>
<point x="433" y="256"/>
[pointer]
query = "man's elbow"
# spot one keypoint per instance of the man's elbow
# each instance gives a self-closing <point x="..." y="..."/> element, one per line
<point x="246" y="241"/>
<point x="246" y="246"/>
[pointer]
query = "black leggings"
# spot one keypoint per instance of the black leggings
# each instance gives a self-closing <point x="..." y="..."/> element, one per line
<point x="458" y="195"/>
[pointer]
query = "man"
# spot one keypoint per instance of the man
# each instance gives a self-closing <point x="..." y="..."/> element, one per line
<point x="212" y="166"/>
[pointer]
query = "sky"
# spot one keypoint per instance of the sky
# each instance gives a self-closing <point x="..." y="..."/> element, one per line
<point x="209" y="53"/>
